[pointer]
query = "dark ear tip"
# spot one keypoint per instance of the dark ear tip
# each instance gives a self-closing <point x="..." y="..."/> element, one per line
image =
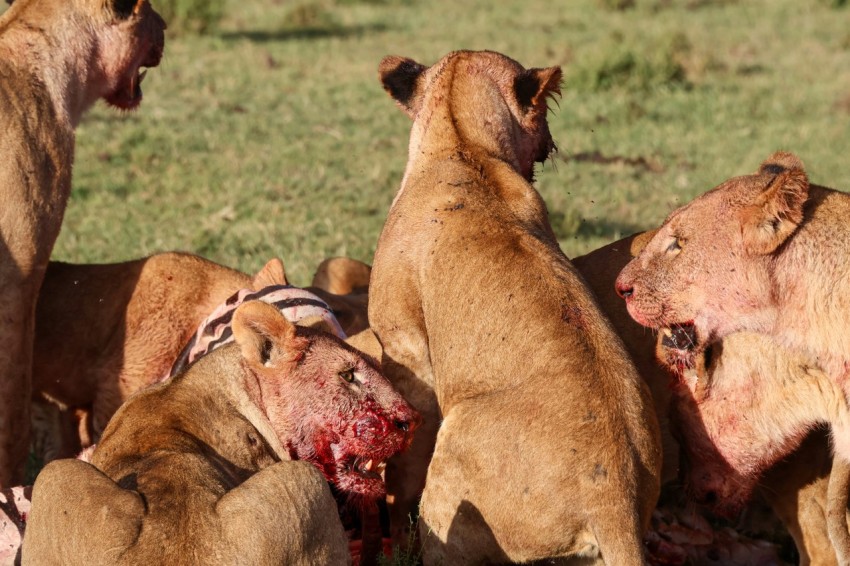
<point x="780" y="162"/>
<point x="389" y="63"/>
<point x="399" y="76"/>
<point x="395" y="66"/>
<point x="772" y="168"/>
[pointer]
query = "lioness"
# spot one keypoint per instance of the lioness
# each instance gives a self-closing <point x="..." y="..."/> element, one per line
<point x="548" y="444"/>
<point x="192" y="471"/>
<point x="742" y="375"/>
<point x="56" y="59"/>
<point x="105" y="331"/>
<point x="761" y="253"/>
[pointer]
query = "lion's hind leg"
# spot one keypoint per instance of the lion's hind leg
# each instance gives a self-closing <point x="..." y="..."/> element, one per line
<point x="284" y="514"/>
<point x="80" y="516"/>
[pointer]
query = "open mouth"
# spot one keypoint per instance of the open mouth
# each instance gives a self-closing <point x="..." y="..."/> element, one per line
<point x="360" y="477"/>
<point x="128" y="95"/>
<point x="679" y="347"/>
<point x="679" y="337"/>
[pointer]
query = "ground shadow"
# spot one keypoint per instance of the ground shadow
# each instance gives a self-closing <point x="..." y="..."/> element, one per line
<point x="309" y="32"/>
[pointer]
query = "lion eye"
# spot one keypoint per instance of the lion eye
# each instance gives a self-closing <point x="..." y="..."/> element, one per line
<point x="347" y="376"/>
<point x="675" y="246"/>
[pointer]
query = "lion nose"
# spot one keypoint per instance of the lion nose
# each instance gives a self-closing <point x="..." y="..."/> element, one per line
<point x="406" y="419"/>
<point x="625" y="291"/>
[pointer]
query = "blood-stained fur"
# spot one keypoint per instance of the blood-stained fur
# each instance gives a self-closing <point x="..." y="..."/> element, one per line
<point x="744" y="380"/>
<point x="197" y="470"/>
<point x="105" y="331"/>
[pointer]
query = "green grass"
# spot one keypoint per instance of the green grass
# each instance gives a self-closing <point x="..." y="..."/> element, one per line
<point x="272" y="136"/>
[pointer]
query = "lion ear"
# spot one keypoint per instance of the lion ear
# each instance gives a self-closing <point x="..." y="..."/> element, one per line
<point x="400" y="77"/>
<point x="778" y="210"/>
<point x="533" y="86"/>
<point x="265" y="336"/>
<point x="272" y="273"/>
<point x="123" y="9"/>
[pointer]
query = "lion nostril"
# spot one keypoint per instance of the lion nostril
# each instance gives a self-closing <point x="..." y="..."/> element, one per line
<point x="403" y="426"/>
<point x="625" y="291"/>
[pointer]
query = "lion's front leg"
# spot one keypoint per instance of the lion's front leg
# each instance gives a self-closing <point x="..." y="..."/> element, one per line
<point x="284" y="514"/>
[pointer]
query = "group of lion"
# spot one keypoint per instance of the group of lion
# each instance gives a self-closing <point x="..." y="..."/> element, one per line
<point x="546" y="417"/>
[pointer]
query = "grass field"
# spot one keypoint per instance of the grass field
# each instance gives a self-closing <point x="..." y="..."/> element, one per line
<point x="272" y="136"/>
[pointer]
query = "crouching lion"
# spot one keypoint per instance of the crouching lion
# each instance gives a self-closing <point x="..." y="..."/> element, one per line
<point x="196" y="470"/>
<point x="548" y="445"/>
<point x="137" y="316"/>
<point x="56" y="59"/>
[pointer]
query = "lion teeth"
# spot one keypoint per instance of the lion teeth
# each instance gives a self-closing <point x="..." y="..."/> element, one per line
<point x="667" y="332"/>
<point x="368" y="466"/>
<point x="142" y="76"/>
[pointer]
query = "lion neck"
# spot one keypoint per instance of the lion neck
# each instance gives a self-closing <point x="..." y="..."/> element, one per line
<point x="245" y="393"/>
<point x="61" y="47"/>
<point x="222" y="376"/>
<point x="810" y="273"/>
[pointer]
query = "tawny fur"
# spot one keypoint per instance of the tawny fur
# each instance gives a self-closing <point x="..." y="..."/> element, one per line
<point x="342" y="276"/>
<point x="548" y="445"/>
<point x="750" y="408"/>
<point x="56" y="59"/>
<point x="738" y="385"/>
<point x="106" y="331"/>
<point x="762" y="253"/>
<point x="195" y="471"/>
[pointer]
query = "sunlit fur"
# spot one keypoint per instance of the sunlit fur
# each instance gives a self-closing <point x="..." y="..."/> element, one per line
<point x="57" y="58"/>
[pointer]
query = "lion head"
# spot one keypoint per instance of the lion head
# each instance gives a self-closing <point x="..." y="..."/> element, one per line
<point x="327" y="402"/>
<point x="707" y="271"/>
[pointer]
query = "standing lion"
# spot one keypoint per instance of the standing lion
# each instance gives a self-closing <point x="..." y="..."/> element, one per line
<point x="57" y="57"/>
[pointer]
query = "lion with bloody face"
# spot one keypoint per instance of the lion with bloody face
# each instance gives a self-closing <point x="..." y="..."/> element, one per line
<point x="224" y="464"/>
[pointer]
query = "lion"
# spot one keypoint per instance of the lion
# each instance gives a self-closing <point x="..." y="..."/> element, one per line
<point x="56" y="59"/>
<point x="745" y="375"/>
<point x="762" y="253"/>
<point x="105" y="331"/>
<point x="197" y="470"/>
<point x="544" y="439"/>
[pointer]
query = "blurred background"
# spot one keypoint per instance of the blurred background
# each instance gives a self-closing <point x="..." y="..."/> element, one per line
<point x="265" y="131"/>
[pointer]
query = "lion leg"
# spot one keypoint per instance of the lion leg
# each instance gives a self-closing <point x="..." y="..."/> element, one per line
<point x="836" y="518"/>
<point x="80" y="516"/>
<point x="284" y="514"/>
<point x="17" y="304"/>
